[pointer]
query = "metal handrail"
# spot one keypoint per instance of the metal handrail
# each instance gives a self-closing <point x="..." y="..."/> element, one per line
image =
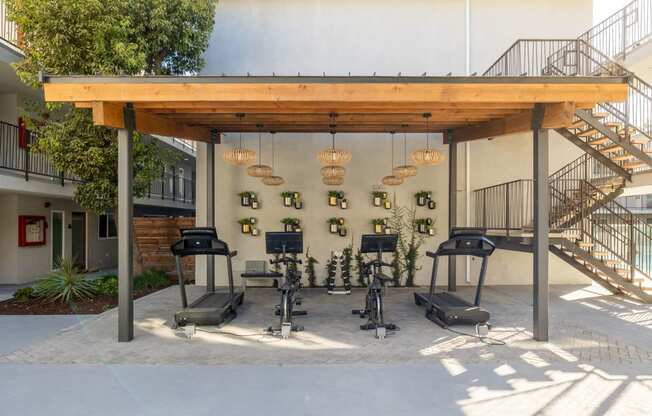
<point x="623" y="31"/>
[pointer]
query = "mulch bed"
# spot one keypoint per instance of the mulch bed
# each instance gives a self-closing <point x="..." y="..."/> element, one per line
<point x="88" y="307"/>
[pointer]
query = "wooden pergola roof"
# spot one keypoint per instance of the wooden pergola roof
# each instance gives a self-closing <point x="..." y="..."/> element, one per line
<point x="466" y="108"/>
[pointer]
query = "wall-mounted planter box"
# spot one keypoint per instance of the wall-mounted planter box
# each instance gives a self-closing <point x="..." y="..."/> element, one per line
<point x="292" y="199"/>
<point x="255" y="204"/>
<point x="424" y="199"/>
<point x="249" y="199"/>
<point x="344" y="204"/>
<point x="332" y="201"/>
<point x="336" y="226"/>
<point x="432" y="204"/>
<point x="388" y="204"/>
<point x="291" y="224"/>
<point x="333" y="228"/>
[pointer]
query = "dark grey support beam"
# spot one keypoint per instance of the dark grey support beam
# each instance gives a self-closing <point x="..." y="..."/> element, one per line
<point x="210" y="210"/>
<point x="452" y="209"/>
<point x="125" y="228"/>
<point x="541" y="240"/>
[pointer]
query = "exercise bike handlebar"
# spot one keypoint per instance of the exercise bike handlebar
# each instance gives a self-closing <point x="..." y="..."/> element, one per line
<point x="377" y="263"/>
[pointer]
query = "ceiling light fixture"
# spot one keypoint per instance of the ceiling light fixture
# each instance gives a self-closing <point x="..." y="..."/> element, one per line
<point x="427" y="156"/>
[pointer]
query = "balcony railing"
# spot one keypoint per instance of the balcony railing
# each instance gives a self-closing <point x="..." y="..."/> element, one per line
<point x="15" y="155"/>
<point x="8" y="29"/>
<point x="171" y="187"/>
<point x="623" y="31"/>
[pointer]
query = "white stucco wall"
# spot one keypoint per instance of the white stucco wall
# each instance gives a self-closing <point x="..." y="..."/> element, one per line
<point x="26" y="264"/>
<point x="386" y="37"/>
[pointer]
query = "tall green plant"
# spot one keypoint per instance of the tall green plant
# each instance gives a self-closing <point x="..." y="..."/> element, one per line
<point x="110" y="37"/>
<point x="396" y="223"/>
<point x="359" y="269"/>
<point x="310" y="269"/>
<point x="409" y="247"/>
<point x="65" y="285"/>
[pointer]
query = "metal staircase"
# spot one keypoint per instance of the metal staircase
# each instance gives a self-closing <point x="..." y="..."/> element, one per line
<point x="589" y="229"/>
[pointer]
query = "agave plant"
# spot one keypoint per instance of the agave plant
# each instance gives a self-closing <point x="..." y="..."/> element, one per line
<point x="65" y="285"/>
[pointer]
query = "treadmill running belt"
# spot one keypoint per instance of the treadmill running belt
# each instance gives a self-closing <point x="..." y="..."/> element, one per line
<point x="212" y="300"/>
<point x="451" y="300"/>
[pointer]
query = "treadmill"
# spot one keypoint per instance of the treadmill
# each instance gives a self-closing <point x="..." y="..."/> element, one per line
<point x="214" y="307"/>
<point x="445" y="308"/>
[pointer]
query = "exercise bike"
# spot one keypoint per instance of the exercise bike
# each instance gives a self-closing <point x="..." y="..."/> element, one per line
<point x="284" y="243"/>
<point x="376" y="279"/>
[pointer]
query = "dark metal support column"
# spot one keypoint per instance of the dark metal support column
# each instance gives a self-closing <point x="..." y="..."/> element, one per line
<point x="452" y="210"/>
<point x="210" y="210"/>
<point x="541" y="241"/>
<point x="125" y="228"/>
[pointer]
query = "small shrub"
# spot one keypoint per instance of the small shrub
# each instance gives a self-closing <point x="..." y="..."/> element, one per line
<point x="24" y="294"/>
<point x="65" y="285"/>
<point x="151" y="279"/>
<point x="107" y="286"/>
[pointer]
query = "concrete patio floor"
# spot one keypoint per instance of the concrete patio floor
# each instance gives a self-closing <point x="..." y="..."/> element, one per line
<point x="598" y="361"/>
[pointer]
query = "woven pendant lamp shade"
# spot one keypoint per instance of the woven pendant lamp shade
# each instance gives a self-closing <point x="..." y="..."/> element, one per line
<point x="333" y="156"/>
<point x="239" y="156"/>
<point x="333" y="171"/>
<point x="332" y="181"/>
<point x="273" y="180"/>
<point x="260" y="170"/>
<point x="392" y="180"/>
<point x="404" y="171"/>
<point x="427" y="157"/>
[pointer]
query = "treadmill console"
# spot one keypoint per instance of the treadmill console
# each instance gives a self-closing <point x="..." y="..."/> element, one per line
<point x="199" y="240"/>
<point x="467" y="242"/>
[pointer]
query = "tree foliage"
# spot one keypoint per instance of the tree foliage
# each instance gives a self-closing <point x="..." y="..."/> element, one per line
<point x="105" y="37"/>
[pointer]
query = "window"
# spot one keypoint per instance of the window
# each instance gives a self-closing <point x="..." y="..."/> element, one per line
<point x="107" y="227"/>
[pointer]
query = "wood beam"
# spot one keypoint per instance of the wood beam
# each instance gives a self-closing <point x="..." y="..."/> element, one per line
<point x="557" y="115"/>
<point x="111" y="115"/>
<point x="377" y="93"/>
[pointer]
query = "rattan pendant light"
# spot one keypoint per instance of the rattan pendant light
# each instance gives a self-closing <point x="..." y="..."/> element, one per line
<point x="405" y="170"/>
<point x="260" y="170"/>
<point x="273" y="180"/>
<point x="336" y="180"/>
<point x="333" y="156"/>
<point x="392" y="180"/>
<point x="333" y="172"/>
<point x="427" y="156"/>
<point x="239" y="156"/>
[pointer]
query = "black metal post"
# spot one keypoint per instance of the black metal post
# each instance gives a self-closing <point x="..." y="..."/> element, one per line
<point x="507" y="208"/>
<point x="174" y="183"/>
<point x="125" y="227"/>
<point x="27" y="161"/>
<point x="210" y="210"/>
<point x="541" y="239"/>
<point x="452" y="209"/>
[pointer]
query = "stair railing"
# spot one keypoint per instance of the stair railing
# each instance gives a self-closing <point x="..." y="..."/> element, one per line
<point x="575" y="57"/>
<point x="623" y="31"/>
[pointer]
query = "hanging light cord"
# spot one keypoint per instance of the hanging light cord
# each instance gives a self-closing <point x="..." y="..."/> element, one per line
<point x="404" y="148"/>
<point x="273" y="158"/>
<point x="260" y="147"/>
<point x="392" y="151"/>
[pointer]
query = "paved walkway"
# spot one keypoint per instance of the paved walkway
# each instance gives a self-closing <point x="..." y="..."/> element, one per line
<point x="599" y="361"/>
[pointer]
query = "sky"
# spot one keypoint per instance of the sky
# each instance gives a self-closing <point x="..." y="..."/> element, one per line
<point x="603" y="8"/>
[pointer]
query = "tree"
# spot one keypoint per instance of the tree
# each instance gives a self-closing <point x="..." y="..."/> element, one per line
<point x="104" y="37"/>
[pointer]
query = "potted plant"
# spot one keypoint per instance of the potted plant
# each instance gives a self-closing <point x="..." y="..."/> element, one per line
<point x="333" y="225"/>
<point x="291" y="224"/>
<point x="287" y="198"/>
<point x="332" y="198"/>
<point x="255" y="232"/>
<point x="255" y="204"/>
<point x="379" y="225"/>
<point x="388" y="204"/>
<point x="432" y="204"/>
<point x="245" y="198"/>
<point x="422" y="198"/>
<point x="298" y="203"/>
<point x="245" y="225"/>
<point x="342" y="231"/>
<point x="378" y="198"/>
<point x="421" y="225"/>
<point x="344" y="203"/>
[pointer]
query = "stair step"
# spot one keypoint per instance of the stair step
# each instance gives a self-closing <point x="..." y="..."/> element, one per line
<point x="585" y="244"/>
<point x="611" y="149"/>
<point x="578" y="123"/>
<point x="588" y="133"/>
<point x="634" y="164"/>
<point x="598" y="142"/>
<point x="612" y="262"/>
<point x="600" y="115"/>
<point x="621" y="158"/>
<point x="600" y="254"/>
